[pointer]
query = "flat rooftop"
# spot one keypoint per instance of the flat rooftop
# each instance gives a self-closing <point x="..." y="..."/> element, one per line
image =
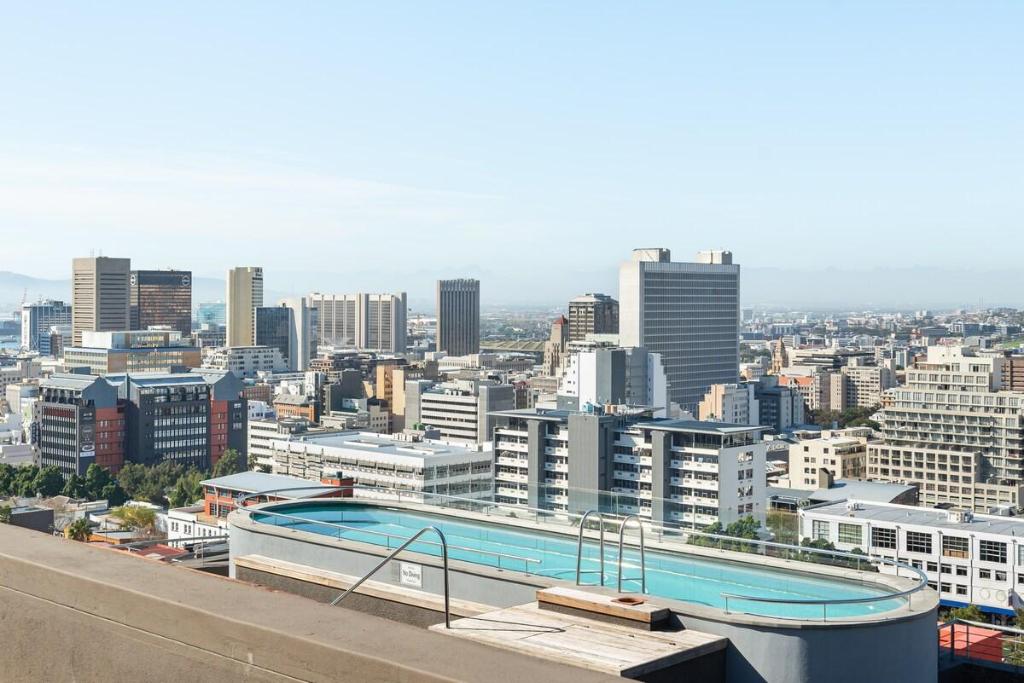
<point x="373" y="443"/>
<point x="701" y="426"/>
<point x="908" y="514"/>
<point x="251" y="482"/>
<point x="845" y="489"/>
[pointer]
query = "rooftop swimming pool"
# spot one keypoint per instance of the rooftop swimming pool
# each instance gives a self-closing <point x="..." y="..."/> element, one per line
<point x="673" y="575"/>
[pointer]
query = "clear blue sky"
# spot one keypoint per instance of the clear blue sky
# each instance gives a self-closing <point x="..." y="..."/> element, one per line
<point x="509" y="140"/>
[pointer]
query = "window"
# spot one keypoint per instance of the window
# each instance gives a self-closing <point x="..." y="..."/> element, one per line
<point x="946" y="588"/>
<point x="850" y="533"/>
<point x="992" y="551"/>
<point x="918" y="542"/>
<point x="819" y="530"/>
<point x="984" y="573"/>
<point x="955" y="546"/>
<point x="883" y="538"/>
<point x="961" y="571"/>
<point x="933" y="567"/>
<point x="945" y="569"/>
<point x="961" y="590"/>
<point x="1000" y="575"/>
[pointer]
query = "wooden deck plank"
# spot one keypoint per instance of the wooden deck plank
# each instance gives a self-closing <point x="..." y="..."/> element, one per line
<point x="583" y="642"/>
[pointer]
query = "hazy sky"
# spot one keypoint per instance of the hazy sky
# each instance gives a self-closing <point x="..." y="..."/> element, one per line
<point x="513" y="140"/>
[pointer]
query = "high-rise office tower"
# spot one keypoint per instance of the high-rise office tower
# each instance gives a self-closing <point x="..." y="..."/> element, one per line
<point x="592" y="314"/>
<point x="458" y="316"/>
<point x="161" y="297"/>
<point x="375" y="322"/>
<point x="687" y="312"/>
<point x="304" y="339"/>
<point x="244" y="293"/>
<point x="36" y="321"/>
<point x="273" y="326"/>
<point x="99" y="291"/>
<point x="291" y="328"/>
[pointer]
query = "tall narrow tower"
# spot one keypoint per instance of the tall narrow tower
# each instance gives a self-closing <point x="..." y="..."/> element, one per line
<point x="458" y="316"/>
<point x="244" y="293"/>
<point x="100" y="295"/>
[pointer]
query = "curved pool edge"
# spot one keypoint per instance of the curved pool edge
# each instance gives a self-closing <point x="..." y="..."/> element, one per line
<point x="924" y="601"/>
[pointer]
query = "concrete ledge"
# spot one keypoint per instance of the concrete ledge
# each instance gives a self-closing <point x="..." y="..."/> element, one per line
<point x="69" y="611"/>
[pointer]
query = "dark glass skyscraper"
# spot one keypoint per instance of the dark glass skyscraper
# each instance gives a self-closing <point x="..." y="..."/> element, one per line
<point x="274" y="328"/>
<point x="458" y="316"/>
<point x="161" y="297"/>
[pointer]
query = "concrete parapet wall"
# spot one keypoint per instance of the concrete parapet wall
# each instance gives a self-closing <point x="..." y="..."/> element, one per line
<point x="71" y="612"/>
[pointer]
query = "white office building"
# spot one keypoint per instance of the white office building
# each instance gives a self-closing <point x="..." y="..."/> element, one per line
<point x="246" y="361"/>
<point x="969" y="558"/>
<point x="399" y="461"/>
<point x="600" y="374"/>
<point x="459" y="410"/>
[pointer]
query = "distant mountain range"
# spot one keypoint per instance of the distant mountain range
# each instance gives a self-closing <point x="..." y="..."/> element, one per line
<point x="908" y="288"/>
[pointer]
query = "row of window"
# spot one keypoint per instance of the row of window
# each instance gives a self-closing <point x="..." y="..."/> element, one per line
<point x="915" y="541"/>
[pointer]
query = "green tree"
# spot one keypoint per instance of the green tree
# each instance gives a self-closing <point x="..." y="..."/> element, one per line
<point x="187" y="490"/>
<point x="101" y="485"/>
<point x="7" y="473"/>
<point x="229" y="462"/>
<point x="75" y="487"/>
<point x="132" y="478"/>
<point x="136" y="517"/>
<point x="78" y="530"/>
<point x="743" y="528"/>
<point x="48" y="482"/>
<point x="113" y="494"/>
<point x="5" y="514"/>
<point x="24" y="483"/>
<point x="969" y="613"/>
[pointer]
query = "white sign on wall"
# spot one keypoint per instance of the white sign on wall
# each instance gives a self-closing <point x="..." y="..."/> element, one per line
<point x="410" y="574"/>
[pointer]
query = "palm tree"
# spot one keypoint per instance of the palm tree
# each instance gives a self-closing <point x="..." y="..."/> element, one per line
<point x="78" y="530"/>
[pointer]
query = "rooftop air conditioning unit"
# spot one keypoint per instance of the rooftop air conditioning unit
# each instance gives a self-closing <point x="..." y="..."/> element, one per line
<point x="959" y="516"/>
<point x="853" y="505"/>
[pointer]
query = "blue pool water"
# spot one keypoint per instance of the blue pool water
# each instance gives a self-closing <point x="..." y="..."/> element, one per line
<point x="670" y="575"/>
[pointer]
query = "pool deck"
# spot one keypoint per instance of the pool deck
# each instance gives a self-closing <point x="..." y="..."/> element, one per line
<point x="582" y="642"/>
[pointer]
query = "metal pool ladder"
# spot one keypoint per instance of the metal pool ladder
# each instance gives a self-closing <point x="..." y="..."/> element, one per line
<point x="579" y="544"/>
<point x="444" y="557"/>
<point x="643" y="561"/>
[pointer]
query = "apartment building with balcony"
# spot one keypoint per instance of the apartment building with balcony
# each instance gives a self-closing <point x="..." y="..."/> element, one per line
<point x="684" y="472"/>
<point x="954" y="431"/>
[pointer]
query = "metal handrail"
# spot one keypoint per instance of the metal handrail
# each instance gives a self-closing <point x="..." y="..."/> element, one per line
<point x="172" y="541"/>
<point x="361" y="530"/>
<point x="444" y="556"/>
<point x="643" y="558"/>
<point x="579" y="544"/>
<point x="922" y="582"/>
